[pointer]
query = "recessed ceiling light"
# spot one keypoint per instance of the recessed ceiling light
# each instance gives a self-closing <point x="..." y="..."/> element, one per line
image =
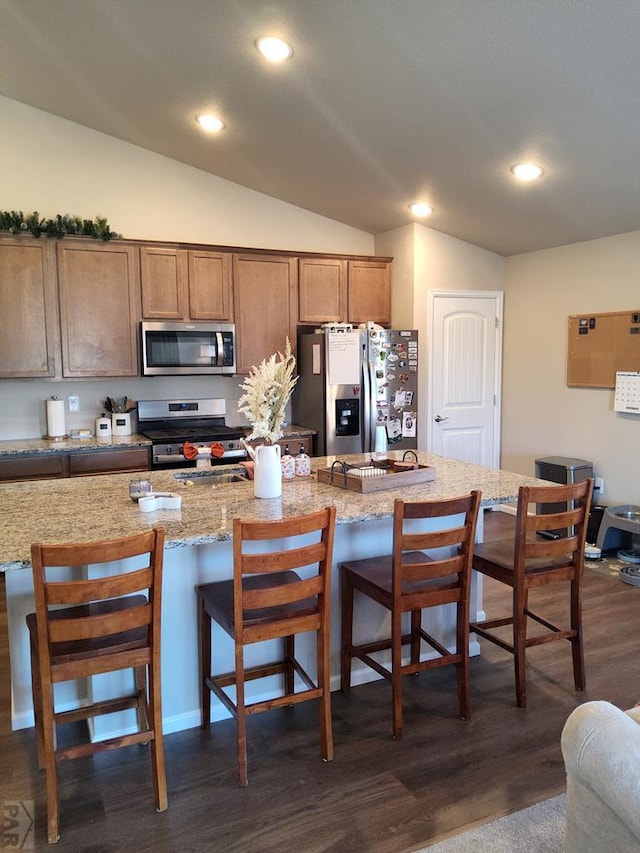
<point x="209" y="122"/>
<point x="421" y="209"/>
<point x="527" y="171"/>
<point x="274" y="49"/>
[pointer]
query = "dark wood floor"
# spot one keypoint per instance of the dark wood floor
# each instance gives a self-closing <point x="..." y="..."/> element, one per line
<point x="377" y="795"/>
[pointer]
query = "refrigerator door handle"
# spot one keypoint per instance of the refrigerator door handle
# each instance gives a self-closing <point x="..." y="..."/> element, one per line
<point x="374" y="412"/>
<point x="371" y="405"/>
<point x="366" y="407"/>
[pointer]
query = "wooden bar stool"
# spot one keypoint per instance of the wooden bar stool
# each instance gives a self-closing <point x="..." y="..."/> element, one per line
<point x="408" y="581"/>
<point x="533" y="560"/>
<point x="106" y="629"/>
<point x="267" y="600"/>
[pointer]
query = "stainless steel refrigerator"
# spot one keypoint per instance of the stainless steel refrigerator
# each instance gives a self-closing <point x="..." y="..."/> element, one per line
<point x="354" y="380"/>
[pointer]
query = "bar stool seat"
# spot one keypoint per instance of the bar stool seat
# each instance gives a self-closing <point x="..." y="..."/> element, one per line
<point x="409" y="581"/>
<point x="532" y="560"/>
<point x="107" y="628"/>
<point x="268" y="600"/>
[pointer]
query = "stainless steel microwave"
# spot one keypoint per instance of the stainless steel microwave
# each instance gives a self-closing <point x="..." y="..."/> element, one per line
<point x="179" y="349"/>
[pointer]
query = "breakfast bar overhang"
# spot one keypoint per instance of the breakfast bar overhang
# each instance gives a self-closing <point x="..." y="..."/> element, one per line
<point x="198" y="549"/>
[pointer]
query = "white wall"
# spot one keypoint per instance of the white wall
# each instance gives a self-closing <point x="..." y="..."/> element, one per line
<point x="399" y="245"/>
<point x="541" y="415"/>
<point x="424" y="260"/>
<point x="54" y="166"/>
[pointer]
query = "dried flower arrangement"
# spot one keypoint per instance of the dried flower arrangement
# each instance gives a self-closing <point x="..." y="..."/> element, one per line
<point x="267" y="391"/>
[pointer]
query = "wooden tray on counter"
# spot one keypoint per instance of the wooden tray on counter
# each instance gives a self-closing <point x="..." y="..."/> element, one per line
<point x="366" y="478"/>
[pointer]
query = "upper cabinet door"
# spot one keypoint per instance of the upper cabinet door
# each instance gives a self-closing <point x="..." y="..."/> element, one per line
<point x="369" y="292"/>
<point x="29" y="336"/>
<point x="322" y="290"/>
<point x="266" y="310"/>
<point x="210" y="286"/>
<point x="99" y="290"/>
<point x="164" y="276"/>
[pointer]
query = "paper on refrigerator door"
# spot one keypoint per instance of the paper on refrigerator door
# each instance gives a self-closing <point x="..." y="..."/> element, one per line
<point x="343" y="355"/>
<point x="408" y="424"/>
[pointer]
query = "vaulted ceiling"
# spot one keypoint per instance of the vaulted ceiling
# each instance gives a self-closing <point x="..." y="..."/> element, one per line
<point x="383" y="102"/>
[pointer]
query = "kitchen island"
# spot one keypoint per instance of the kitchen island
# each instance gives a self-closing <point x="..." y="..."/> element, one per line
<point x="198" y="549"/>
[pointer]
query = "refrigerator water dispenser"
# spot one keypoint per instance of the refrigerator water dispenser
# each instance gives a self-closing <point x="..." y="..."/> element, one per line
<point x="348" y="417"/>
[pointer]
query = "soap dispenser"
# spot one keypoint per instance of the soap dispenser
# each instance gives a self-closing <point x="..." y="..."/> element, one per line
<point x="303" y="463"/>
<point x="288" y="464"/>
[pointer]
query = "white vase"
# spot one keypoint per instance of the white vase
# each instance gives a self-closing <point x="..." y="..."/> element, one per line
<point x="267" y="472"/>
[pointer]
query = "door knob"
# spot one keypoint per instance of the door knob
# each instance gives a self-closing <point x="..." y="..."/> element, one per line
<point x="438" y="419"/>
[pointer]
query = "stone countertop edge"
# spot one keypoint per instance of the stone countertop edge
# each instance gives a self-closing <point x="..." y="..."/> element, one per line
<point x="26" y="446"/>
<point x="82" y="509"/>
<point x="41" y="446"/>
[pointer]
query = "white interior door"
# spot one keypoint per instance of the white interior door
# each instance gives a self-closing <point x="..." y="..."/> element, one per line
<point x="464" y="375"/>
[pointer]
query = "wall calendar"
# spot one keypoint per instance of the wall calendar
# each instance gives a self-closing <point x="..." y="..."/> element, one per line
<point x="627" y="393"/>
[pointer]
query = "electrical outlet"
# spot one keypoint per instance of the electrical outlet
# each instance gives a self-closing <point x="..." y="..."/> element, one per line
<point x="74" y="403"/>
<point x="599" y="485"/>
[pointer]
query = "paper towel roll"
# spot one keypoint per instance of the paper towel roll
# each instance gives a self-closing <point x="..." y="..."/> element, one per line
<point x="55" y="419"/>
<point x="381" y="439"/>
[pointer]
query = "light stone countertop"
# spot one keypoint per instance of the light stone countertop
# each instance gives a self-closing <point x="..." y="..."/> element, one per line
<point x="98" y="507"/>
<point x="26" y="446"/>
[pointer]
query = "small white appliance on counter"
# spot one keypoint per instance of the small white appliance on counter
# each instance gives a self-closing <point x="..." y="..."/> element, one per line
<point x="358" y="388"/>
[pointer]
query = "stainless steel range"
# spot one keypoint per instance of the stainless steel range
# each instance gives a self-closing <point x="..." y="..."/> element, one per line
<point x="182" y="431"/>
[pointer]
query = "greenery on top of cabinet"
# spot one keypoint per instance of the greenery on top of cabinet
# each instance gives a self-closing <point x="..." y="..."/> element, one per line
<point x="16" y="222"/>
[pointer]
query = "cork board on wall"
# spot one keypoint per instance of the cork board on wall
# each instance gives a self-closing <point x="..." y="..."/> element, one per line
<point x="601" y="344"/>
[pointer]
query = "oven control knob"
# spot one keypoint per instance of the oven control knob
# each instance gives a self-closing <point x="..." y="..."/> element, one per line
<point x="169" y="449"/>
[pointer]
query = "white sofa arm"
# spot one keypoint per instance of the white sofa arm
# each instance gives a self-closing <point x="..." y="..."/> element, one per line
<point x="601" y="750"/>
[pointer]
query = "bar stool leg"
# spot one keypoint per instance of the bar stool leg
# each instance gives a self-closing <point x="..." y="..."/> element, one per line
<point x="324" y="681"/>
<point x="462" y="668"/>
<point x="205" y="665"/>
<point x="416" y="624"/>
<point x="577" y="650"/>
<point x="347" y="632"/>
<point x="519" y="645"/>
<point x="289" y="654"/>
<point x="241" y="718"/>
<point x="396" y="672"/>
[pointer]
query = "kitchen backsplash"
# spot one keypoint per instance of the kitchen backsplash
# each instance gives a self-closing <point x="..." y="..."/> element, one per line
<point x="23" y="409"/>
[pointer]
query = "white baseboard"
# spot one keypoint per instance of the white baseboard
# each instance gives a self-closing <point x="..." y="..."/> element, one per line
<point x="510" y="509"/>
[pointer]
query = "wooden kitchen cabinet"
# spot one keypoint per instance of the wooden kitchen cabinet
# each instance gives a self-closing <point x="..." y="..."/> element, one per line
<point x="210" y="286"/>
<point x="265" y="305"/>
<point x="340" y="290"/>
<point x="75" y="463"/>
<point x="29" y="331"/>
<point x="164" y="281"/>
<point x="45" y="466"/>
<point x="369" y="292"/>
<point x="322" y="290"/>
<point x="180" y="284"/>
<point x="296" y="443"/>
<point x="109" y="461"/>
<point x="99" y="291"/>
<point x="306" y="442"/>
